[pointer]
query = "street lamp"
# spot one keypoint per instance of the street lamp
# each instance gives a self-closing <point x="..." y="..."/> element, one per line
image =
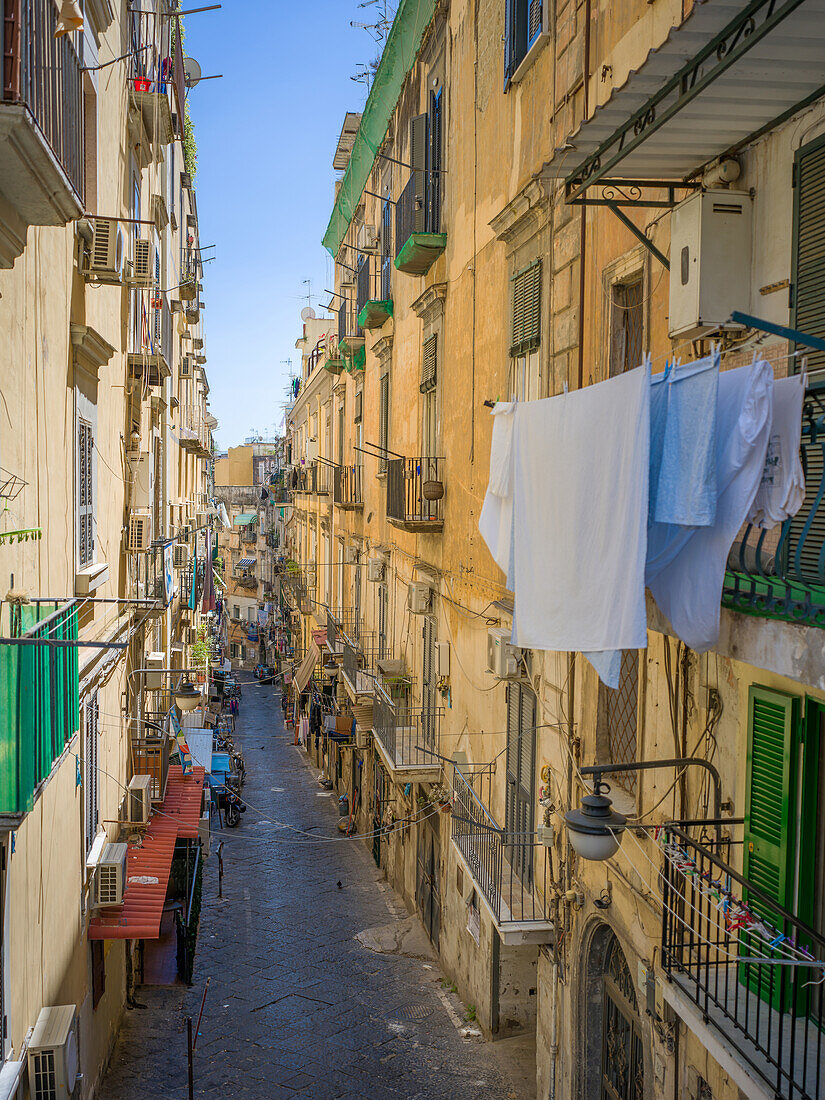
<point x="187" y="697"/>
<point x="595" y="830"/>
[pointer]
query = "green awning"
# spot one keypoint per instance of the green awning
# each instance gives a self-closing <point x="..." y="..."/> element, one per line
<point x="245" y="518"/>
<point x="411" y="20"/>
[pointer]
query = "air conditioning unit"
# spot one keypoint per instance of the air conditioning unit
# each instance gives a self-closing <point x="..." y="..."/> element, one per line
<point x="155" y="663"/>
<point x="201" y="519"/>
<point x="52" y="1054"/>
<point x="143" y="264"/>
<point x="139" y="534"/>
<point x="180" y="555"/>
<point x="311" y="450"/>
<point x="110" y="876"/>
<point x="502" y="655"/>
<point x="368" y="237"/>
<point x="186" y="367"/>
<point x="418" y="597"/>
<point x="375" y="569"/>
<point x="139" y="799"/>
<point x="710" y="261"/>
<point x="362" y="738"/>
<point x="351" y="555"/>
<point x="106" y="252"/>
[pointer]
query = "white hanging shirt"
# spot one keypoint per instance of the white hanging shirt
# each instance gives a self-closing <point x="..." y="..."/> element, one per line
<point x="574" y="550"/>
<point x="782" y="488"/>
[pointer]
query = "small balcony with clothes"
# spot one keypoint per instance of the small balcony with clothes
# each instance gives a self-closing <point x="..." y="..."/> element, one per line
<point x="347" y="491"/>
<point x="779" y="572"/>
<point x="743" y="973"/>
<point x="150" y="357"/>
<point x="510" y="868"/>
<point x="372" y="310"/>
<point x="155" y="69"/>
<point x="408" y="738"/>
<point x="415" y="493"/>
<point x="350" y="336"/>
<point x="418" y="237"/>
<point x="41" y="125"/>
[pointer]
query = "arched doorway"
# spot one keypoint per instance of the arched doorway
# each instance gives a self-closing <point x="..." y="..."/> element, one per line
<point x="622" y="1053"/>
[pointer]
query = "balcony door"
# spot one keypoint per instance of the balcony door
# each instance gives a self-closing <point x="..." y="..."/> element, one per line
<point x="428" y="894"/>
<point x="521" y="766"/>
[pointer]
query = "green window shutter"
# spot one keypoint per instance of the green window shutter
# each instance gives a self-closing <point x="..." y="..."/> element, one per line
<point x="429" y="364"/>
<point x="770" y="812"/>
<point x="384" y="420"/>
<point x="418" y="160"/>
<point x="526" y="322"/>
<point x="809" y="245"/>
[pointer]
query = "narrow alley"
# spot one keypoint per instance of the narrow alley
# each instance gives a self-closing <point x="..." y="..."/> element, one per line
<point x="297" y="1006"/>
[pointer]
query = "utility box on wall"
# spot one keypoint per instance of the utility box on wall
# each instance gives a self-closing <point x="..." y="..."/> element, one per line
<point x="710" y="259"/>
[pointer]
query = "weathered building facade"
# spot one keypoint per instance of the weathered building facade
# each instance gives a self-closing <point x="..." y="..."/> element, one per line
<point x="523" y="231"/>
<point x="105" y="487"/>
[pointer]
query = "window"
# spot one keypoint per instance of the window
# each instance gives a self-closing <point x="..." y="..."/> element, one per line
<point x="98" y="961"/>
<point x="383" y="614"/>
<point x="383" y="422"/>
<point x="626" y="325"/>
<point x="622" y="1051"/>
<point x="85" y="493"/>
<point x="523" y="25"/>
<point x="429" y="441"/>
<point x="435" y="165"/>
<point x="91" y="745"/>
<point x="522" y="710"/>
<point x="622" y="717"/>
<point x="236" y="611"/>
<point x="428" y="683"/>
<point x="525" y="333"/>
<point x="808" y="246"/>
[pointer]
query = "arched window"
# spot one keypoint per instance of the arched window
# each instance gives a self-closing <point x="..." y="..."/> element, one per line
<point x="622" y="1075"/>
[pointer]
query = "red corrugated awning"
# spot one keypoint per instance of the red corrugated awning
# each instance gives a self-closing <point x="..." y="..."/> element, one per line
<point x="148" y="867"/>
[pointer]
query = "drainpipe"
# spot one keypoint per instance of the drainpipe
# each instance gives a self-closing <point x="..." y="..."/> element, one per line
<point x="554" y="1031"/>
<point x="583" y="223"/>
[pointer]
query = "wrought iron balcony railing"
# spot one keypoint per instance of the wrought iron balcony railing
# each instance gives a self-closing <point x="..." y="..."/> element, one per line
<point x="780" y="573"/>
<point x="341" y="625"/>
<point x="348" y="327"/>
<point x="410" y="736"/>
<point x="372" y="309"/>
<point x="45" y="74"/>
<point x="415" y="492"/>
<point x="763" y="1000"/>
<point x="357" y="662"/>
<point x="509" y="868"/>
<point x="347" y="486"/>
<point x="419" y="239"/>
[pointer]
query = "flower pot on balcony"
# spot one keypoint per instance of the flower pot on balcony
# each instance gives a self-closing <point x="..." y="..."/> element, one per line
<point x="432" y="490"/>
<point x="188" y="292"/>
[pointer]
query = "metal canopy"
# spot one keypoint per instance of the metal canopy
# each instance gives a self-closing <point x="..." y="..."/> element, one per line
<point x="244" y="563"/>
<point x="731" y="70"/>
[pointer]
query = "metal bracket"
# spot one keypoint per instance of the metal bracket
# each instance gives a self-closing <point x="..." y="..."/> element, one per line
<point x="640" y="236"/>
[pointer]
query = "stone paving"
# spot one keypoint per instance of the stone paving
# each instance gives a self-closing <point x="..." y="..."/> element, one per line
<point x="298" y="1006"/>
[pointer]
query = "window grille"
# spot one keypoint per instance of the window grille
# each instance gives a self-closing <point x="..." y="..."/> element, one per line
<point x="626" y="326"/>
<point x="623" y="718"/>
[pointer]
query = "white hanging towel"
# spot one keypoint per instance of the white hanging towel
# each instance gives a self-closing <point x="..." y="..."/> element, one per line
<point x="686" y="566"/>
<point x="580" y="502"/>
<point x="782" y="488"/>
<point x="496" y="520"/>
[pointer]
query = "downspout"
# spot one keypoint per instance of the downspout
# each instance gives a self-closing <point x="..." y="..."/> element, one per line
<point x="554" y="1031"/>
<point x="583" y="222"/>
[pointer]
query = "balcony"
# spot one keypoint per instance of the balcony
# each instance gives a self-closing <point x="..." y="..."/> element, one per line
<point x="194" y="435"/>
<point x="41" y="125"/>
<point x="322" y="478"/>
<point x="40" y="710"/>
<point x="350" y="334"/>
<point x="357" y="665"/>
<point x="347" y="487"/>
<point x="780" y="573"/>
<point x="372" y="310"/>
<point x="408" y="739"/>
<point x="151" y="76"/>
<point x="762" y="1004"/>
<point x="418" y="240"/>
<point x="149" y="579"/>
<point x="342" y="624"/>
<point x="509" y="869"/>
<point x="247" y="581"/>
<point x="415" y="493"/>
<point x="150" y="752"/>
<point x="151" y="357"/>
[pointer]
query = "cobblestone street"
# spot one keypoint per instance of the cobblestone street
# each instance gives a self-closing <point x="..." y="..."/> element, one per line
<point x="297" y="1006"/>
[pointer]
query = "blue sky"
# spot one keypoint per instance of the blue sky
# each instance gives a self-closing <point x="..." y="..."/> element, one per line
<point x="266" y="136"/>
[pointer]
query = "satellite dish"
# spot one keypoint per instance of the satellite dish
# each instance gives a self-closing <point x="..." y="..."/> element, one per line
<point x="307" y="313"/>
<point x="191" y="72"/>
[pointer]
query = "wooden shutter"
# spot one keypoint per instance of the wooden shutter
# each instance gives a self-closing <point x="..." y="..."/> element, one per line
<point x="418" y="160"/>
<point x="808" y="294"/>
<point x="770" y="795"/>
<point x="85" y="493"/>
<point x="526" y="324"/>
<point x="509" y="39"/>
<point x="434" y="176"/>
<point x="359" y="406"/>
<point x="429" y="364"/>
